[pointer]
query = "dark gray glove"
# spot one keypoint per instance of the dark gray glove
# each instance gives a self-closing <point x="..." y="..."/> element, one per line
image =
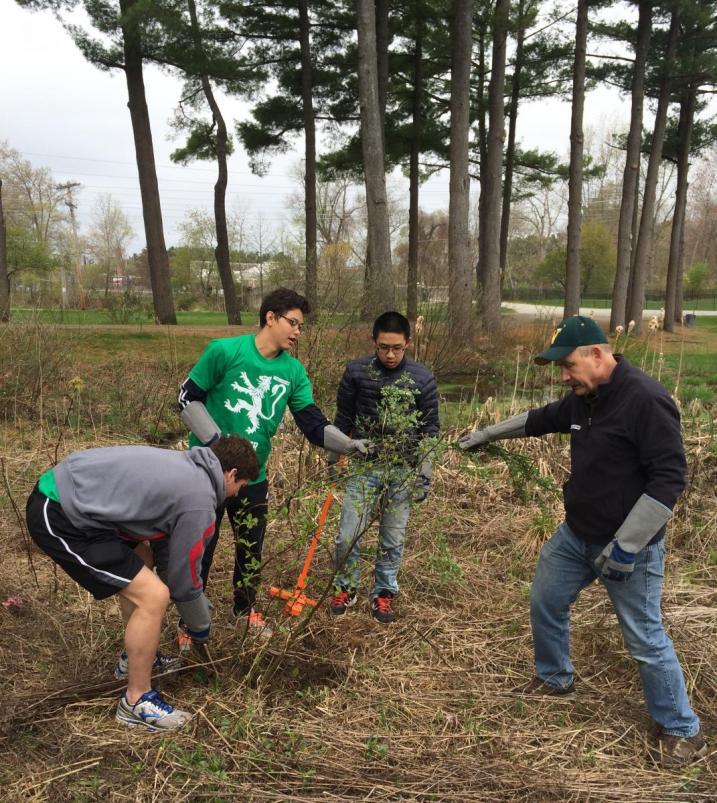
<point x="513" y="427"/>
<point x="423" y="480"/>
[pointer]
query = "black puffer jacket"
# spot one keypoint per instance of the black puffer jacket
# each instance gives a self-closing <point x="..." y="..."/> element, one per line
<point x="361" y="401"/>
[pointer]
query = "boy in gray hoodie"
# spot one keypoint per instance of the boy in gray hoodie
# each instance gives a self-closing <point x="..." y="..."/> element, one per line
<point x="91" y="511"/>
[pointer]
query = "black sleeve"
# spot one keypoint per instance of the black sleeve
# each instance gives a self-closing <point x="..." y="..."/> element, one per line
<point x="160" y="551"/>
<point x="312" y="422"/>
<point x="345" y="403"/>
<point x="554" y="417"/>
<point x="189" y="391"/>
<point x="658" y="436"/>
<point x="428" y="407"/>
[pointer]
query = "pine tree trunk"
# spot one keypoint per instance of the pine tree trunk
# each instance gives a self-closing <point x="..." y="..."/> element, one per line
<point x="575" y="181"/>
<point x="684" y="138"/>
<point x="482" y="156"/>
<point x="460" y="309"/>
<point x="414" y="177"/>
<point x="307" y="101"/>
<point x="4" y="273"/>
<point x="221" y="252"/>
<point x="632" y="171"/>
<point x="646" y="234"/>
<point x="510" y="149"/>
<point x="149" y="189"/>
<point x="491" y="182"/>
<point x="383" y="36"/>
<point x="379" y="288"/>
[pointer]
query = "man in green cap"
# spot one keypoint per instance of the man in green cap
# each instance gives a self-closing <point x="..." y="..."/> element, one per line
<point x="627" y="470"/>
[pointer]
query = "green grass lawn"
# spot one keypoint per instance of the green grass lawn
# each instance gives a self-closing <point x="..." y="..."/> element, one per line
<point x="100" y="317"/>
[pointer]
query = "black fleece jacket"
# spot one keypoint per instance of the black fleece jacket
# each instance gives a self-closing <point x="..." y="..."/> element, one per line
<point x="625" y="441"/>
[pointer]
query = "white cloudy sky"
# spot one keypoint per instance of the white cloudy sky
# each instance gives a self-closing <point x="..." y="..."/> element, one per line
<point x="61" y="112"/>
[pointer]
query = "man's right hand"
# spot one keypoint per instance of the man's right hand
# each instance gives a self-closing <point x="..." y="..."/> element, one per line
<point x="473" y="440"/>
<point x="337" y="441"/>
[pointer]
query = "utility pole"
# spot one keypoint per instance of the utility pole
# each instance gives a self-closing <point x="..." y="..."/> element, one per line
<point x="69" y="186"/>
<point x="4" y="275"/>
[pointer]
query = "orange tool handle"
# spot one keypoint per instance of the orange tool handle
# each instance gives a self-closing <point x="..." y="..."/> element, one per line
<point x="301" y="581"/>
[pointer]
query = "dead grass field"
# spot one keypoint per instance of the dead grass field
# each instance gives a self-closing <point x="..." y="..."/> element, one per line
<point x="348" y="709"/>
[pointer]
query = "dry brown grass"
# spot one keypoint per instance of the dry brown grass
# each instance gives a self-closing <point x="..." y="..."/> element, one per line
<point x="348" y="709"/>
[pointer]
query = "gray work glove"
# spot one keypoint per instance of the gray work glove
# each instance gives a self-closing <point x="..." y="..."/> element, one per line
<point x="643" y="522"/>
<point x="196" y="416"/>
<point x="513" y="427"/>
<point x="423" y="480"/>
<point x="336" y="441"/>
<point x="196" y="617"/>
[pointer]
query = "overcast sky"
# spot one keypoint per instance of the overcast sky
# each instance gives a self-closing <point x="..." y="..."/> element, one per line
<point x="61" y="112"/>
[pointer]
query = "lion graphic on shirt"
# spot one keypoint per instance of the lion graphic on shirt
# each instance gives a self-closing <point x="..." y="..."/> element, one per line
<point x="275" y="387"/>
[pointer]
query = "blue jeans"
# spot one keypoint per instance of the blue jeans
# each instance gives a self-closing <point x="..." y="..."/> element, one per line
<point x="564" y="568"/>
<point x="392" y="489"/>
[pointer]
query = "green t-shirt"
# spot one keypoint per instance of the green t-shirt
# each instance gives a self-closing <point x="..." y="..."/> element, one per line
<point x="46" y="485"/>
<point x="247" y="394"/>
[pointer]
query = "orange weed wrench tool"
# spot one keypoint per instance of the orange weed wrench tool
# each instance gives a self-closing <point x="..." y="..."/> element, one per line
<point x="296" y="599"/>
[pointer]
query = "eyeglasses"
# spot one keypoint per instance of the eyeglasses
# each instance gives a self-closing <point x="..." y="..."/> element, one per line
<point x="384" y="349"/>
<point x="293" y="323"/>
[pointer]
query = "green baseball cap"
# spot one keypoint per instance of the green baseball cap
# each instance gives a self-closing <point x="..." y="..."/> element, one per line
<point x="571" y="333"/>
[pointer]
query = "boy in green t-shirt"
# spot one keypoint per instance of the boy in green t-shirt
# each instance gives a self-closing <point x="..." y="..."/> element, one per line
<point x="242" y="385"/>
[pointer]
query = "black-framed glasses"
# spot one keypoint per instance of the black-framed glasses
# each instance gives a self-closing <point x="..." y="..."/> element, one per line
<point x="293" y="323"/>
<point x="386" y="349"/>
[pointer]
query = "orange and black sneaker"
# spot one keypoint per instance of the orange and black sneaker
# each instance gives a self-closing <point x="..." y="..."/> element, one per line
<point x="342" y="601"/>
<point x="184" y="640"/>
<point x="381" y="608"/>
<point x="253" y="623"/>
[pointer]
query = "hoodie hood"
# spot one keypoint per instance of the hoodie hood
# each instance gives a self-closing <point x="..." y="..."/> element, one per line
<point x="203" y="457"/>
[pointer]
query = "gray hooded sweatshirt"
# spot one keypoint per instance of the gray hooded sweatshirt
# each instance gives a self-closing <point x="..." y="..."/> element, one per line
<point x="144" y="493"/>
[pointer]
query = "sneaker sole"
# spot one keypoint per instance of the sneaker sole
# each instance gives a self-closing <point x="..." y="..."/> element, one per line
<point x="135" y="723"/>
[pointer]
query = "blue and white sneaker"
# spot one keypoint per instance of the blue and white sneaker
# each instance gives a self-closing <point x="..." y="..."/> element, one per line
<point x="151" y="711"/>
<point x="163" y="665"/>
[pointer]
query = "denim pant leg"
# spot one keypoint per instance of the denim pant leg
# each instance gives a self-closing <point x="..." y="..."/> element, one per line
<point x="564" y="569"/>
<point x="391" y="533"/>
<point x="637" y="606"/>
<point x="359" y="501"/>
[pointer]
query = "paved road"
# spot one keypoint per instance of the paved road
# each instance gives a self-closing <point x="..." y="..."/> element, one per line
<point x="548" y="311"/>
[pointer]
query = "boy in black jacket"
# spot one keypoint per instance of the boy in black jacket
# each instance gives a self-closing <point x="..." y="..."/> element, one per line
<point x="627" y="470"/>
<point x="392" y="401"/>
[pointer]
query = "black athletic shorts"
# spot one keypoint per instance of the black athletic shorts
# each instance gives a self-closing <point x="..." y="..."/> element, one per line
<point x="99" y="560"/>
